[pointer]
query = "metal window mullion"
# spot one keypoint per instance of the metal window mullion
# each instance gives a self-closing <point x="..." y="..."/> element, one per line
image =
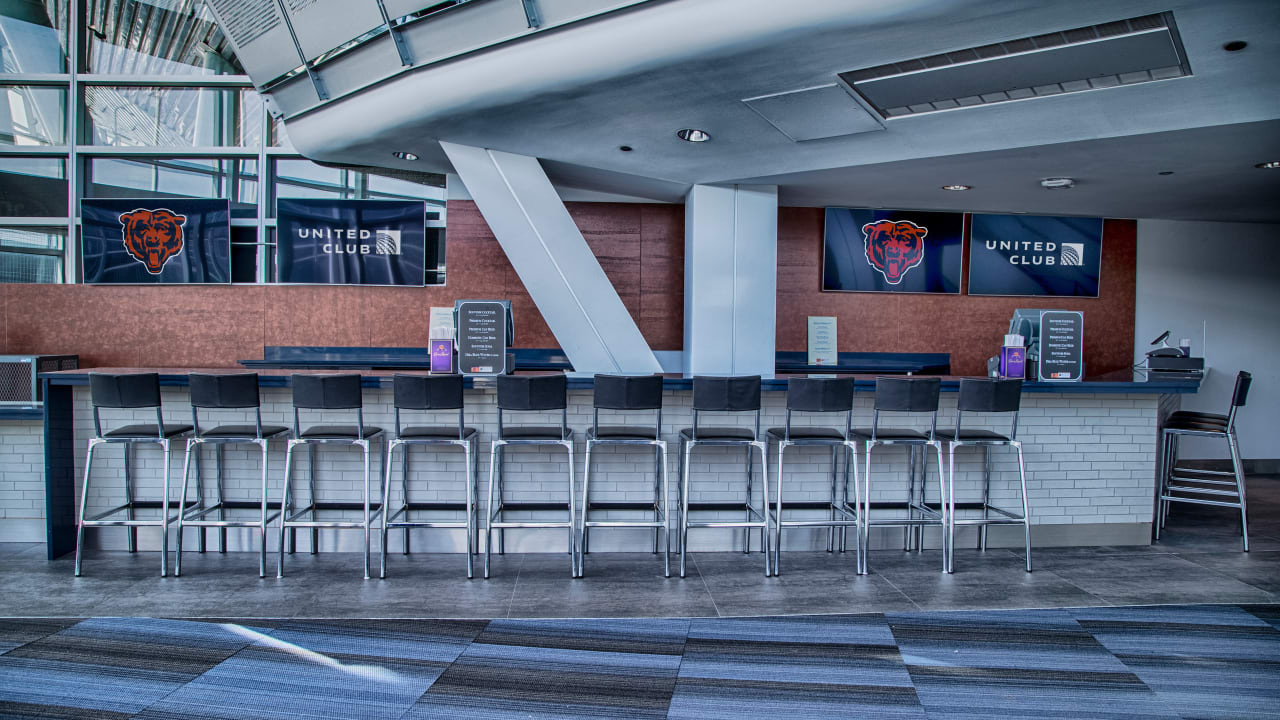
<point x="74" y="53"/>
<point x="260" y="267"/>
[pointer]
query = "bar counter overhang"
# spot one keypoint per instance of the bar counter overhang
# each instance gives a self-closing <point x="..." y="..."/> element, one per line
<point x="1090" y="447"/>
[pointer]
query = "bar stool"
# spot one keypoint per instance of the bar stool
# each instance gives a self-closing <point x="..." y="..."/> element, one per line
<point x="985" y="396"/>
<point x="629" y="394"/>
<point x="914" y="395"/>
<point x="529" y="393"/>
<point x="236" y="391"/>
<point x="437" y="392"/>
<point x="818" y="395"/>
<point x="326" y="392"/>
<point x="135" y="391"/>
<point x="726" y="394"/>
<point x="1204" y="482"/>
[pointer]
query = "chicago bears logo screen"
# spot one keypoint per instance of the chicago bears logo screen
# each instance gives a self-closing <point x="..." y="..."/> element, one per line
<point x="899" y="251"/>
<point x="893" y="248"/>
<point x="152" y="237"/>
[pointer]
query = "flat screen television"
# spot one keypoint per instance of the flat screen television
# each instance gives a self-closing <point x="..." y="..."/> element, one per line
<point x="1034" y="255"/>
<point x="905" y="251"/>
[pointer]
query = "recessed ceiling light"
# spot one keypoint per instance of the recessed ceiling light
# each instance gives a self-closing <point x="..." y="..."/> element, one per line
<point x="1235" y="46"/>
<point x="405" y="155"/>
<point x="1273" y="165"/>
<point x="957" y="187"/>
<point x="693" y="135"/>
<point x="1165" y="172"/>
<point x="1057" y="183"/>
<point x="624" y="148"/>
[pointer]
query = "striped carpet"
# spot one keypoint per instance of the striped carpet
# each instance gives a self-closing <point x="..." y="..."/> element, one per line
<point x="1194" y="661"/>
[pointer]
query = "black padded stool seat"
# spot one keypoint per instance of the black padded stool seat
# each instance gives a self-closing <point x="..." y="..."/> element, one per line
<point x="436" y="431"/>
<point x="339" y="432"/>
<point x="973" y="435"/>
<point x="807" y="433"/>
<point x="627" y="396"/>
<point x="434" y="394"/>
<point x="535" y="432"/>
<point x="883" y="434"/>
<point x="226" y="392"/>
<point x="827" y="396"/>
<point x="727" y="394"/>
<point x="131" y="391"/>
<point x="146" y="431"/>
<point x="242" y="431"/>
<point x="622" y="432"/>
<point x="713" y="434"/>
<point x="1202" y="486"/>
<point x="540" y="394"/>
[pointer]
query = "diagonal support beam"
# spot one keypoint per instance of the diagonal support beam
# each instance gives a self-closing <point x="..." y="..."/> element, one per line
<point x="548" y="252"/>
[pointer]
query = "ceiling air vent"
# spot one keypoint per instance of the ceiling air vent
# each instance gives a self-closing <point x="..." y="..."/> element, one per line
<point x="1124" y="52"/>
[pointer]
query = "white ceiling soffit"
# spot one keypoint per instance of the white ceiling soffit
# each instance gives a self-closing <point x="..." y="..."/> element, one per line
<point x="1122" y="52"/>
<point x="814" y="113"/>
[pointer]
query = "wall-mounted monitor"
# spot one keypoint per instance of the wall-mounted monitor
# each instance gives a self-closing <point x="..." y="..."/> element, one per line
<point x="1034" y="255"/>
<point x="351" y="242"/>
<point x="155" y="241"/>
<point x="892" y="251"/>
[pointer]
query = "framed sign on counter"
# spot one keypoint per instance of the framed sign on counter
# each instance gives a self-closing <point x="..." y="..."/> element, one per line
<point x="1034" y="255"/>
<point x="351" y="242"/>
<point x="482" y="337"/>
<point x="892" y="251"/>
<point x="155" y="241"/>
<point x="1061" y="346"/>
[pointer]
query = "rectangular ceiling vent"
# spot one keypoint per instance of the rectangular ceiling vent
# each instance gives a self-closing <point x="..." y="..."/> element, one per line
<point x="1124" y="52"/>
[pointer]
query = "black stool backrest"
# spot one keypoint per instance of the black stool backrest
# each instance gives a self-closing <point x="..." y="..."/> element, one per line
<point x="627" y="392"/>
<point x="428" y="392"/>
<point x="237" y="390"/>
<point x="820" y="395"/>
<point x="327" y="392"/>
<point x="988" y="395"/>
<point x="141" y="390"/>
<point x="907" y="394"/>
<point x="230" y="391"/>
<point x="133" y="390"/>
<point x="534" y="393"/>
<point x="1239" y="395"/>
<point x="739" y="393"/>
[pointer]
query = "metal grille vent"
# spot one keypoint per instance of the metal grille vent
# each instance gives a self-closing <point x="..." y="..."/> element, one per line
<point x="17" y="381"/>
<point x="1122" y="52"/>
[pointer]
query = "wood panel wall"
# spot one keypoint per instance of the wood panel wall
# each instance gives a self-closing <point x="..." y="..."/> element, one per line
<point x="640" y="247"/>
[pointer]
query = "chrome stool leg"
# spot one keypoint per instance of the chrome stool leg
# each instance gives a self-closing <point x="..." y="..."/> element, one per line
<point x="192" y="443"/>
<point x="777" y="541"/>
<point x="386" y="502"/>
<point x="84" y="500"/>
<point x="262" y="550"/>
<point x="1026" y="505"/>
<point x="470" y="450"/>
<point x="128" y="496"/>
<point x="404" y="492"/>
<point x="1237" y="465"/>
<point x="286" y="507"/>
<point x="685" y="453"/>
<point x="222" y="511"/>
<point x="495" y="455"/>
<point x="313" y="453"/>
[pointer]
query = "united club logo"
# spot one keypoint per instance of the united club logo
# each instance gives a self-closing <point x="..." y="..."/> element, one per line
<point x="341" y="241"/>
<point x="1072" y="254"/>
<point x="893" y="248"/>
<point x="153" y="237"/>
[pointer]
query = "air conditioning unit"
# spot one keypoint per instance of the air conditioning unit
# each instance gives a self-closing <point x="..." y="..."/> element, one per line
<point x="19" y="376"/>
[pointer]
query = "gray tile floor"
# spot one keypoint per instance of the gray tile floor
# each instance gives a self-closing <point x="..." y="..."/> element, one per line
<point x="1197" y="561"/>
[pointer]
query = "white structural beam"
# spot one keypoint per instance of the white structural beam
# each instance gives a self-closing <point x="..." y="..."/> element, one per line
<point x="553" y="260"/>
<point x="730" y="279"/>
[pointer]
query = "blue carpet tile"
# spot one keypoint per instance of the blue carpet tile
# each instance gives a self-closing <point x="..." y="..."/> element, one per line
<point x="1189" y="661"/>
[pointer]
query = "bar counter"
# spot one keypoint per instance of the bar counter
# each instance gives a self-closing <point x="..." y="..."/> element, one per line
<point x="1090" y="449"/>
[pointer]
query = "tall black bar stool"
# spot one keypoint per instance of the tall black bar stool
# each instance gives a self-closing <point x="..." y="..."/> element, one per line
<point x="238" y="391"/>
<point x="433" y="393"/>
<point x="629" y="394"/>
<point x="726" y="394"/>
<point x="818" y="395"/>
<point x="1205" y="483"/>
<point x="326" y="392"/>
<point x="529" y="393"/>
<point x="985" y="396"/>
<point x="905" y="395"/>
<point x="135" y="391"/>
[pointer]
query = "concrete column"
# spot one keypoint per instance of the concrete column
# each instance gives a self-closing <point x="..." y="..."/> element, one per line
<point x="730" y="279"/>
<point x="553" y="261"/>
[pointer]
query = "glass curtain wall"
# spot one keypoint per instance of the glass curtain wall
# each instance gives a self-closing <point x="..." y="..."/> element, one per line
<point x="145" y="99"/>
